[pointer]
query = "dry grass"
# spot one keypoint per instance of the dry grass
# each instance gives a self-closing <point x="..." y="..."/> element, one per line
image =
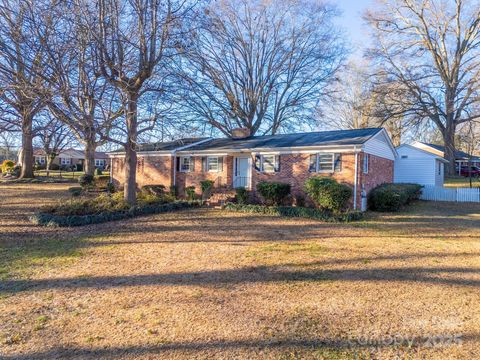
<point x="209" y="284"/>
<point x="462" y="182"/>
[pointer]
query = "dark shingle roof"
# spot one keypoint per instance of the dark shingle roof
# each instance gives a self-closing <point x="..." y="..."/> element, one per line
<point x="164" y="146"/>
<point x="322" y="138"/>
<point x="458" y="153"/>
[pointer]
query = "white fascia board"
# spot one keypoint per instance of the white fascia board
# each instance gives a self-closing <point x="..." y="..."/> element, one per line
<point x="198" y="153"/>
<point x="275" y="151"/>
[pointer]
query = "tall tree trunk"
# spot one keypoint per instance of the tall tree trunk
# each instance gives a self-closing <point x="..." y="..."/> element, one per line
<point x="27" y="148"/>
<point x="89" y="165"/>
<point x="130" y="189"/>
<point x="449" y="154"/>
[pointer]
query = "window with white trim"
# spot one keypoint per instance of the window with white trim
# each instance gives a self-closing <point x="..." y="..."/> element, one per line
<point x="213" y="163"/>
<point x="325" y="162"/>
<point x="366" y="164"/>
<point x="65" y="161"/>
<point x="99" y="162"/>
<point x="186" y="164"/>
<point x="267" y="163"/>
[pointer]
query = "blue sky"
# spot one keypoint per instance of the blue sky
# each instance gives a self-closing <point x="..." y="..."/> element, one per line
<point x="351" y="21"/>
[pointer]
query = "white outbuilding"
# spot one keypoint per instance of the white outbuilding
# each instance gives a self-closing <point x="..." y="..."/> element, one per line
<point x="414" y="165"/>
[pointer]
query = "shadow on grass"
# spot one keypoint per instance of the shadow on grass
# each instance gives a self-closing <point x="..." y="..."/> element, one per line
<point x="345" y="348"/>
<point x="255" y="274"/>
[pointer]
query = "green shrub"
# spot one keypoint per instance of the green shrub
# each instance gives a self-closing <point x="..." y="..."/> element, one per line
<point x="173" y="191"/>
<point x="190" y="193"/>
<point x="301" y="212"/>
<point x="157" y="190"/>
<point x="51" y="219"/>
<point x="98" y="172"/>
<point x="242" y="195"/>
<point x="273" y="192"/>
<point x="86" y="180"/>
<point x="7" y="166"/>
<point x="327" y="193"/>
<point x="17" y="170"/>
<point x="54" y="167"/>
<point x="206" y="186"/>
<point x="75" y="191"/>
<point x="392" y="197"/>
<point x="110" y="188"/>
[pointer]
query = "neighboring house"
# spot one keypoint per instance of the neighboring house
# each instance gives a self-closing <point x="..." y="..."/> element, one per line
<point x="414" y="165"/>
<point x="461" y="157"/>
<point x="362" y="158"/>
<point x="70" y="157"/>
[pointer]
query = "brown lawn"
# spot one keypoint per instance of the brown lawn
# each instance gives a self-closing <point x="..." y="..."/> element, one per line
<point x="211" y="284"/>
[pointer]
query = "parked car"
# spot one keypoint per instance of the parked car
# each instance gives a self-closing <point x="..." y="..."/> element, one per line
<point x="473" y="170"/>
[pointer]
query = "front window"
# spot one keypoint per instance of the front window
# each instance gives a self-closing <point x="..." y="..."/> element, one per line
<point x="99" y="162"/>
<point x="65" y="161"/>
<point x="212" y="163"/>
<point x="186" y="164"/>
<point x="268" y="163"/>
<point x="325" y="162"/>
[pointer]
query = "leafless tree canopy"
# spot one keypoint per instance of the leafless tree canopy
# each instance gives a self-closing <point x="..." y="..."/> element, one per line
<point x="430" y="50"/>
<point x="134" y="41"/>
<point x="260" y="65"/>
<point x="22" y="61"/>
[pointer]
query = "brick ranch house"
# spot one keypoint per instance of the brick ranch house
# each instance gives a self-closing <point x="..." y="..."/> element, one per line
<point x="361" y="158"/>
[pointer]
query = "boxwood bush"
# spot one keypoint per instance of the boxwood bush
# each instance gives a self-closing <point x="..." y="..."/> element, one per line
<point x="327" y="193"/>
<point x="274" y="193"/>
<point x="298" y="212"/>
<point x="242" y="195"/>
<point x="392" y="197"/>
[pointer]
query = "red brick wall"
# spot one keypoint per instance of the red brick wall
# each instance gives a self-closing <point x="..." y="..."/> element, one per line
<point x="194" y="178"/>
<point x="156" y="170"/>
<point x="294" y="171"/>
<point x="380" y="171"/>
<point x="151" y="170"/>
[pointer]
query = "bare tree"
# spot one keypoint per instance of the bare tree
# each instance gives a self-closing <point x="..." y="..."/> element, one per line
<point x="79" y="96"/>
<point x="259" y="65"/>
<point x="430" y="49"/>
<point x="22" y="60"/>
<point x="134" y="42"/>
<point x="52" y="138"/>
<point x="355" y="102"/>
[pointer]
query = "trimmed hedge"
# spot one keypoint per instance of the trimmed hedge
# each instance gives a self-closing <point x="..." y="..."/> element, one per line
<point x="298" y="212"/>
<point x="47" y="219"/>
<point x="327" y="193"/>
<point x="392" y="197"/>
<point x="274" y="193"/>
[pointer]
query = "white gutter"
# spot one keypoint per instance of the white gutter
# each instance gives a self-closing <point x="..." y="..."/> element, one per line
<point x="355" y="179"/>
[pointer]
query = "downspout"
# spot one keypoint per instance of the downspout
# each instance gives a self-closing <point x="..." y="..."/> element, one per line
<point x="355" y="179"/>
<point x="174" y="168"/>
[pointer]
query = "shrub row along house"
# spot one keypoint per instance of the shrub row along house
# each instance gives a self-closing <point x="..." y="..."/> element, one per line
<point x="362" y="158"/>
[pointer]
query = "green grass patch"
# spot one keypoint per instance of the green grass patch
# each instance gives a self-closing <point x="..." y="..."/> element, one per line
<point x="21" y="260"/>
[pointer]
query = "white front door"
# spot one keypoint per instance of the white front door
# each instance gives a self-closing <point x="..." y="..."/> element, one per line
<point x="242" y="172"/>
